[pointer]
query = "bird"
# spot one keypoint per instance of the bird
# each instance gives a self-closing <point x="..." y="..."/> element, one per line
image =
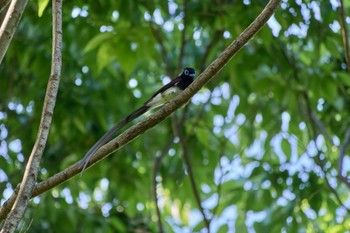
<point x="159" y="98"/>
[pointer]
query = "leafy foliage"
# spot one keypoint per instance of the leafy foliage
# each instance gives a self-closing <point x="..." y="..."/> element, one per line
<point x="263" y="138"/>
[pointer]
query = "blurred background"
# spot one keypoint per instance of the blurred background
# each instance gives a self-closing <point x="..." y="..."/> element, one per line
<point x="261" y="148"/>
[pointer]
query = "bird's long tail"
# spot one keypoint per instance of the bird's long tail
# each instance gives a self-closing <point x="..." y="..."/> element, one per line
<point x="105" y="138"/>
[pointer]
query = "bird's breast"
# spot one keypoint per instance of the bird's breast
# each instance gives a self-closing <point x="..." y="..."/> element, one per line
<point x="163" y="97"/>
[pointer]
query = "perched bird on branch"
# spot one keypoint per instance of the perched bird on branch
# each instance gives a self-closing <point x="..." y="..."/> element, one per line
<point x="162" y="96"/>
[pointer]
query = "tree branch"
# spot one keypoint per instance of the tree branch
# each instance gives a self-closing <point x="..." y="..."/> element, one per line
<point x="344" y="34"/>
<point x="3" y="8"/>
<point x="9" y="25"/>
<point x="154" y="119"/>
<point x="163" y="50"/>
<point x="213" y="42"/>
<point x="334" y="192"/>
<point x="186" y="157"/>
<point x="155" y="182"/>
<point x="342" y="150"/>
<point x="183" y="36"/>
<point x="4" y="4"/>
<point x="33" y="165"/>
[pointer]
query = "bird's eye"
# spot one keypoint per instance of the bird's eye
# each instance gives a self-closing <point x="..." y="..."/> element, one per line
<point x="187" y="72"/>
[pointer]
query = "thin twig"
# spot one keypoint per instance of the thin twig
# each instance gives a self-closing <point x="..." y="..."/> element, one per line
<point x="321" y="127"/>
<point x="159" y="39"/>
<point x="342" y="150"/>
<point x="183" y="142"/>
<point x="186" y="156"/>
<point x="157" y="163"/>
<point x="163" y="51"/>
<point x="344" y="34"/>
<point x="213" y="42"/>
<point x="345" y="180"/>
<point x="154" y="119"/>
<point x="183" y="36"/>
<point x="4" y="4"/>
<point x="9" y="25"/>
<point x="335" y="193"/>
<point x="33" y="165"/>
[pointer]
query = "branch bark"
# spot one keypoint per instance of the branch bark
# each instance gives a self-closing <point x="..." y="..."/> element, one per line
<point x="342" y="150"/>
<point x="344" y="34"/>
<point x="8" y="27"/>
<point x="30" y="175"/>
<point x="186" y="156"/>
<point x="4" y="4"/>
<point x="139" y="128"/>
<point x="183" y="37"/>
<point x="156" y="33"/>
<point x="156" y="169"/>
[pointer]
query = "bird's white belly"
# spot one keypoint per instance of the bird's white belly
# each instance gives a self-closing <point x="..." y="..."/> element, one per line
<point x="163" y="97"/>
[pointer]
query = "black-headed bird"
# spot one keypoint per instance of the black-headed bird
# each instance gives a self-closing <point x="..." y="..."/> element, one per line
<point x="162" y="96"/>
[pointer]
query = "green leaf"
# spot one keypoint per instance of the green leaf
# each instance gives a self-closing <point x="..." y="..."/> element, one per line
<point x="104" y="56"/>
<point x="202" y="136"/>
<point x="223" y="229"/>
<point x="316" y="201"/>
<point x="42" y="4"/>
<point x="329" y="89"/>
<point x="126" y="57"/>
<point x="79" y="124"/>
<point x="339" y="103"/>
<point x="286" y="148"/>
<point x="344" y="77"/>
<point x="97" y="41"/>
<point x="118" y="225"/>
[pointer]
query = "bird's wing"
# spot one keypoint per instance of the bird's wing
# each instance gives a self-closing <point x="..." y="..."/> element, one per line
<point x="167" y="86"/>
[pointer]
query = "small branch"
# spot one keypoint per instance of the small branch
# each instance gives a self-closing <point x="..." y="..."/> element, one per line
<point x="193" y="181"/>
<point x="4" y="4"/>
<point x="183" y="37"/>
<point x="213" y="42"/>
<point x="6" y="207"/>
<point x="345" y="180"/>
<point x="33" y="165"/>
<point x="163" y="50"/>
<point x="344" y="34"/>
<point x="342" y="150"/>
<point x="186" y="156"/>
<point x="9" y="25"/>
<point x="321" y="127"/>
<point x="155" y="171"/>
<point x="335" y="192"/>
<point x="154" y="119"/>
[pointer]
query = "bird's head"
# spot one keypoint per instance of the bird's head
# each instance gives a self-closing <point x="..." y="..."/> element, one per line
<point x="189" y="72"/>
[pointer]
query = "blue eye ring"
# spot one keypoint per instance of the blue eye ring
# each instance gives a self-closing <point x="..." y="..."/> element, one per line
<point x="186" y="72"/>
